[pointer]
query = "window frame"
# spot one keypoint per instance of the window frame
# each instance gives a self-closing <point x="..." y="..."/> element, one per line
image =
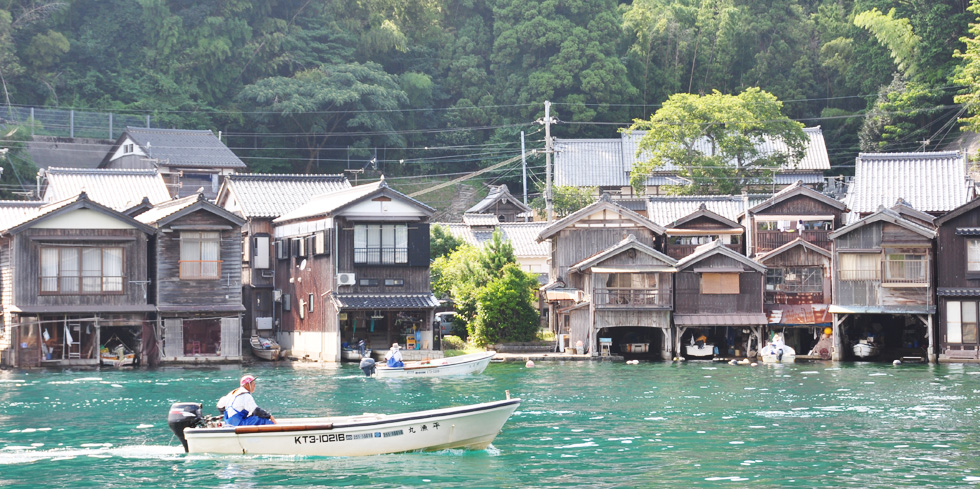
<point x="108" y="284"/>
<point x="807" y="273"/>
<point x="185" y="267"/>
<point x="381" y="244"/>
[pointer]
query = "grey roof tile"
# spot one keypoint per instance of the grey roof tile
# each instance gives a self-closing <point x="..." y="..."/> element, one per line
<point x="118" y="189"/>
<point x="665" y="209"/>
<point x="522" y="235"/>
<point x="385" y="301"/>
<point x="930" y="182"/>
<point x="497" y="193"/>
<point x="325" y="204"/>
<point x="271" y="196"/>
<point x="184" y="147"/>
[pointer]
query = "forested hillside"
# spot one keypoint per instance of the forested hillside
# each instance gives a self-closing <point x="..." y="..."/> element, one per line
<point x="446" y="86"/>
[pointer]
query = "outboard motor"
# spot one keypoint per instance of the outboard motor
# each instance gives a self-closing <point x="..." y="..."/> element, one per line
<point x="184" y="415"/>
<point x="367" y="366"/>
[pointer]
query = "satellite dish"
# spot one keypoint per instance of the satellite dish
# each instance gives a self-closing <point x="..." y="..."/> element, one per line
<point x="302" y="264"/>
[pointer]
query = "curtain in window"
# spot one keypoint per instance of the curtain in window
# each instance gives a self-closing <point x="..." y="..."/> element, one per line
<point x="401" y="243"/>
<point x="210" y="254"/>
<point x="91" y="270"/>
<point x="973" y="255"/>
<point x="954" y="328"/>
<point x="112" y="269"/>
<point x="360" y="244"/>
<point x="859" y="266"/>
<point x="969" y="322"/>
<point x="49" y="269"/>
<point x="69" y="270"/>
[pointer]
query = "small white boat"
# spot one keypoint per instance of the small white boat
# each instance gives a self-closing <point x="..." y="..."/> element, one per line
<point x="865" y="348"/>
<point x="695" y="352"/>
<point x="474" y="363"/>
<point x="470" y="427"/>
<point x="265" y="348"/>
<point x="349" y="355"/>
<point x="776" y="351"/>
<point x="119" y="357"/>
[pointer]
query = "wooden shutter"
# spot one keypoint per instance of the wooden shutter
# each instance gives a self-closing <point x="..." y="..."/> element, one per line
<point x="719" y="283"/>
<point x="418" y="244"/>
<point x="231" y="337"/>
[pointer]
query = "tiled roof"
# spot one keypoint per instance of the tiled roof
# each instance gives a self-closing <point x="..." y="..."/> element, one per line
<point x="118" y="189"/>
<point x="665" y="209"/>
<point x="48" y="151"/>
<point x="607" y="162"/>
<point x="930" y="182"/>
<point x="165" y="209"/>
<point x="480" y="219"/>
<point x="325" y="204"/>
<point x="184" y="147"/>
<point x="957" y="292"/>
<point x="385" y="301"/>
<point x="497" y="193"/>
<point x="522" y="236"/>
<point x="13" y="212"/>
<point x="716" y="247"/>
<point x="270" y="196"/>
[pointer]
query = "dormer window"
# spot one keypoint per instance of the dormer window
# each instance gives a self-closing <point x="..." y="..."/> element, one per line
<point x="128" y="148"/>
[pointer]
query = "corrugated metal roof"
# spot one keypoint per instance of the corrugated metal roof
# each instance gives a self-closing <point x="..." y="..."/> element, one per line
<point x="799" y="314"/>
<point x="480" y="220"/>
<point x="165" y="209"/>
<point x="325" y="204"/>
<point x="665" y="209"/>
<point x="14" y="212"/>
<point x="734" y="319"/>
<point x="184" y="147"/>
<point x="930" y="182"/>
<point x="270" y="196"/>
<point x="608" y="162"/>
<point x="118" y="189"/>
<point x="385" y="301"/>
<point x="522" y="236"/>
<point x="497" y="193"/>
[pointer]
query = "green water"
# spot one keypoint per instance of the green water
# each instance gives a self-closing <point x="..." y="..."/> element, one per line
<point x="581" y="424"/>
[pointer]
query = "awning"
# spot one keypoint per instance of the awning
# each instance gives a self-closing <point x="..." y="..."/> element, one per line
<point x="745" y="319"/>
<point x="837" y="309"/>
<point x="703" y="232"/>
<point x="719" y="270"/>
<point x="799" y="314"/>
<point x="385" y="301"/>
<point x="566" y="294"/>
<point x="634" y="269"/>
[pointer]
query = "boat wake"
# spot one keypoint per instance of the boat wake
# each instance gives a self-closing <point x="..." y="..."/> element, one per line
<point x="26" y="454"/>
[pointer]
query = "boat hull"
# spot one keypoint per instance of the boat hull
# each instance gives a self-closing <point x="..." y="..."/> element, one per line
<point x="464" y="427"/>
<point x="772" y="354"/>
<point x="865" y="350"/>
<point x="353" y="355"/>
<point x="474" y="363"/>
<point x="268" y="354"/>
<point x="127" y="359"/>
<point x="704" y="351"/>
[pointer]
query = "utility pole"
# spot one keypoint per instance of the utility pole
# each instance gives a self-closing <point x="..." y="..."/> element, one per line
<point x="547" y="160"/>
<point x="524" y="167"/>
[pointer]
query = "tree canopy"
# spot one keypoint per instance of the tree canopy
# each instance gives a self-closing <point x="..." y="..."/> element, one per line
<point x="715" y="141"/>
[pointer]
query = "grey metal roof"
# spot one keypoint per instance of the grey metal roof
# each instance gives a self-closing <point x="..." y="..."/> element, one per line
<point x="48" y="151"/>
<point x="158" y="215"/>
<point x="522" y="236"/>
<point x="385" y="301"/>
<point x="930" y="182"/>
<point x="497" y="193"/>
<point x="270" y="196"/>
<point x="665" y="209"/>
<point x="325" y="204"/>
<point x="118" y="189"/>
<point x="183" y="147"/>
<point x="608" y="162"/>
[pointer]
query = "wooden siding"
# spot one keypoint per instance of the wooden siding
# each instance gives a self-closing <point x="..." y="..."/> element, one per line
<point x="650" y="319"/>
<point x="951" y="252"/>
<point x="26" y="265"/>
<point x="573" y="245"/>
<point x="415" y="275"/>
<point x="225" y="291"/>
<point x="262" y="277"/>
<point x="316" y="279"/>
<point x="802" y="205"/>
<point x="875" y="238"/>
<point x="801" y="257"/>
<point x="689" y="299"/>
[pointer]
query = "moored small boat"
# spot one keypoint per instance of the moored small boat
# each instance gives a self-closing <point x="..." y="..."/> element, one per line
<point x="474" y="363"/>
<point x="699" y="351"/>
<point x="349" y="355"/>
<point x="865" y="348"/>
<point x="265" y="348"/>
<point x="776" y="351"/>
<point x="120" y="357"/>
<point x="471" y="427"/>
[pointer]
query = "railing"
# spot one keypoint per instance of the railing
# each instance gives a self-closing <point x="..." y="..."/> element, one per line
<point x="72" y="123"/>
<point x="631" y="298"/>
<point x="380" y="255"/>
<point x="905" y="271"/>
<point x="770" y="240"/>
<point x="200" y="269"/>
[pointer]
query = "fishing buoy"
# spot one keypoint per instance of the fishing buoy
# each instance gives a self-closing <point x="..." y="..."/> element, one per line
<point x="745" y="361"/>
<point x="897" y="362"/>
<point x="755" y="364"/>
<point x="733" y="362"/>
<point x="529" y="364"/>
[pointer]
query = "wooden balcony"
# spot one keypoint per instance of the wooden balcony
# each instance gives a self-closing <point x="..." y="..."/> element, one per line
<point x="770" y="240"/>
<point x="681" y="251"/>
<point x="615" y="298"/>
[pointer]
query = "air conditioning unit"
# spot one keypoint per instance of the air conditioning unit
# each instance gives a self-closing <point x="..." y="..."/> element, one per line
<point x="345" y="279"/>
<point x="263" y="323"/>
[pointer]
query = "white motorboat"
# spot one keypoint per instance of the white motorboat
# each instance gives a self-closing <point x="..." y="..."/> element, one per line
<point x="471" y="427"/>
<point x="265" y="348"/>
<point x="702" y="351"/>
<point x="118" y="357"/>
<point x="776" y="351"/>
<point x="865" y="348"/>
<point x="350" y="355"/>
<point x="474" y="363"/>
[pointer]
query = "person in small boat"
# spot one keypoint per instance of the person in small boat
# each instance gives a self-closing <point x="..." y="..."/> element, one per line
<point x="394" y="356"/>
<point x="361" y="346"/>
<point x="240" y="409"/>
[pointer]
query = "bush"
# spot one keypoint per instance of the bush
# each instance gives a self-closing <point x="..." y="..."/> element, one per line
<point x="452" y="342"/>
<point x="503" y="309"/>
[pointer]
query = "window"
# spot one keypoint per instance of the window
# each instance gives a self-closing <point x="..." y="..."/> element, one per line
<point x="973" y="255"/>
<point x="368" y="282"/>
<point x="260" y="252"/>
<point x="719" y="283"/>
<point x="81" y="270"/>
<point x="905" y="267"/>
<point x="199" y="255"/>
<point x="795" y="279"/>
<point x="394" y="282"/>
<point x="381" y="243"/>
<point x="860" y="266"/>
<point x="309" y="298"/>
<point x="961" y="322"/>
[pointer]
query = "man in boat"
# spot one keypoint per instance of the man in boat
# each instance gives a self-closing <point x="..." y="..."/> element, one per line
<point x="394" y="356"/>
<point x="240" y="408"/>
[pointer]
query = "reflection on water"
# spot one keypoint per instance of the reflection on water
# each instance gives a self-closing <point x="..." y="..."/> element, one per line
<point x="581" y="423"/>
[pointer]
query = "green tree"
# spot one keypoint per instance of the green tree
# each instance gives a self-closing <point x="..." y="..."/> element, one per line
<point x="968" y="73"/>
<point x="713" y="140"/>
<point x="442" y="242"/>
<point x="895" y="34"/>
<point x="565" y="200"/>
<point x="497" y="253"/>
<point x="459" y="276"/>
<point x="504" y="308"/>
